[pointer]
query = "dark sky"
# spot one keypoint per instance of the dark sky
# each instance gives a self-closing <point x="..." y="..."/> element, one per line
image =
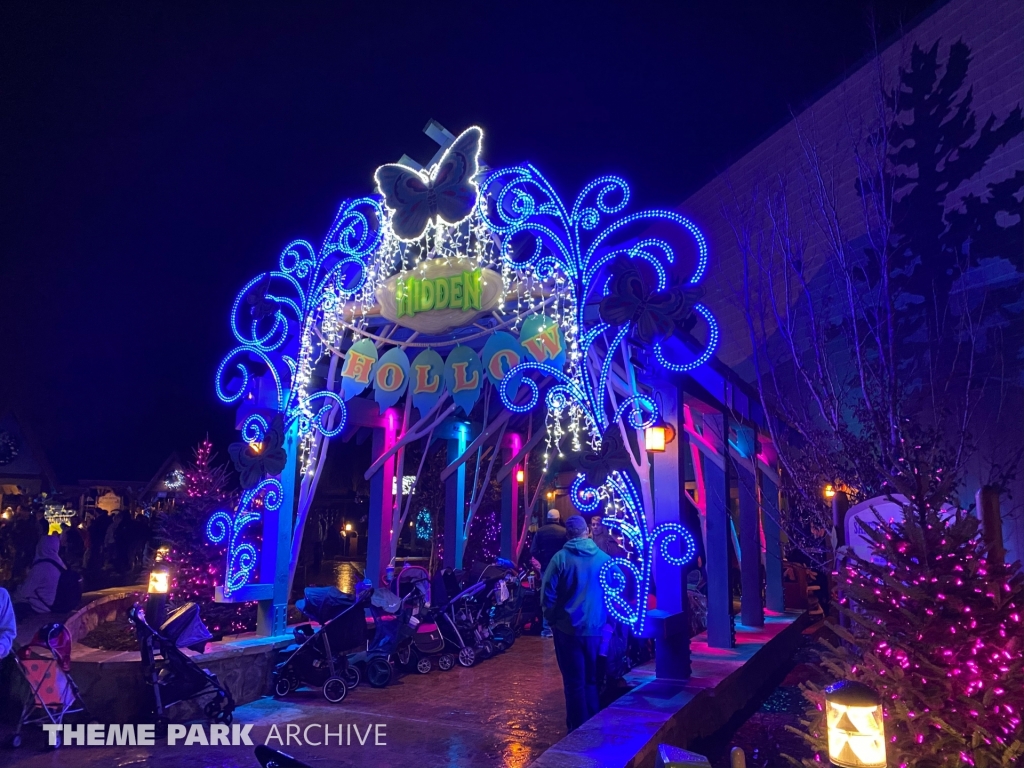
<point x="157" y="155"/>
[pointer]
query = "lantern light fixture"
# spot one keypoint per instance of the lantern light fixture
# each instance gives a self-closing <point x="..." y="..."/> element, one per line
<point x="657" y="436"/>
<point x="856" y="730"/>
<point x="520" y="475"/>
<point x="348" y="527"/>
<point x="830" y="491"/>
<point x="159" y="582"/>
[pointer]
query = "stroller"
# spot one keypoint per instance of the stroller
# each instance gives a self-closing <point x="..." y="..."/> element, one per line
<point x="427" y="645"/>
<point x="319" y="659"/>
<point x="461" y="621"/>
<point x="394" y="624"/>
<point x="45" y="663"/>
<point x="174" y="676"/>
<point x="503" y="603"/>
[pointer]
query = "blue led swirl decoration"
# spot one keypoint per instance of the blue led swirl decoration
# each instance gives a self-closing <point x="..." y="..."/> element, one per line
<point x="579" y="242"/>
<point x="269" y="318"/>
<point x="223" y="527"/>
<point x="272" y="311"/>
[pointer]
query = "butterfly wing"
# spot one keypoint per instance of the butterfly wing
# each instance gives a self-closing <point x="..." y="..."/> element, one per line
<point x="406" y="195"/>
<point x="454" y="189"/>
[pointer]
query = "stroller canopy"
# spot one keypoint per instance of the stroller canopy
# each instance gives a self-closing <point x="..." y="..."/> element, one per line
<point x="324" y="603"/>
<point x="184" y="627"/>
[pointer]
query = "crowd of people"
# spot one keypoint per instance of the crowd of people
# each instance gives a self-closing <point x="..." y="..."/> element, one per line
<point x="105" y="548"/>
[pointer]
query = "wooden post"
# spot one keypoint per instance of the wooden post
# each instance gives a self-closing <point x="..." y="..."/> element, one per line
<point x="751" y="605"/>
<point x="671" y="622"/>
<point x="513" y="442"/>
<point x="275" y="554"/>
<point x="716" y="484"/>
<point x="378" y="533"/>
<point x="772" y="544"/>
<point x="455" y="502"/>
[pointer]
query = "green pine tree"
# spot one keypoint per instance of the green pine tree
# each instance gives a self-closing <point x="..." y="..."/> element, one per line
<point x="197" y="566"/>
<point x="935" y="627"/>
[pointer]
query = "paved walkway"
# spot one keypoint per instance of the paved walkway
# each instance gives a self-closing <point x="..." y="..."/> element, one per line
<point x="501" y="713"/>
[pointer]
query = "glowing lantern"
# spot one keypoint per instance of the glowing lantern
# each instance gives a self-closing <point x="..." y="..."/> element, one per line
<point x="550" y="495"/>
<point x="520" y="476"/>
<point x="159" y="582"/>
<point x="654" y="439"/>
<point x="830" y="491"/>
<point x="348" y="527"/>
<point x="856" y="732"/>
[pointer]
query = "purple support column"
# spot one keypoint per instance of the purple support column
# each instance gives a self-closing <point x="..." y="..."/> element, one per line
<point x="510" y="499"/>
<point x="378" y="534"/>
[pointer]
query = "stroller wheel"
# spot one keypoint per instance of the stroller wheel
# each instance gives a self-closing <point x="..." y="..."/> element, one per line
<point x="219" y="710"/>
<point x="423" y="666"/>
<point x="351" y="677"/>
<point x="445" y="661"/>
<point x="503" y="636"/>
<point x="335" y="690"/>
<point x="487" y="649"/>
<point x="282" y="687"/>
<point x="378" y="672"/>
<point x="467" y="656"/>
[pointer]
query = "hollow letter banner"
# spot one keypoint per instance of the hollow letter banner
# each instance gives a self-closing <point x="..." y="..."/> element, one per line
<point x="355" y="374"/>
<point x="464" y="375"/>
<point x="390" y="378"/>
<point x="427" y="380"/>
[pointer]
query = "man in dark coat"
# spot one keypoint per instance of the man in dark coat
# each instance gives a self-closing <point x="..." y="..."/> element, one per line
<point x="546" y="542"/>
<point x="573" y="602"/>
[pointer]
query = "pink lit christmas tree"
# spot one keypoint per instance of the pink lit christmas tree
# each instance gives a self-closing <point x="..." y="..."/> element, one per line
<point x="936" y="627"/>
<point x="197" y="566"/>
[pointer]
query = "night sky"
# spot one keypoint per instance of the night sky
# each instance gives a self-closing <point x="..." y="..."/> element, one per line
<point x="155" y="156"/>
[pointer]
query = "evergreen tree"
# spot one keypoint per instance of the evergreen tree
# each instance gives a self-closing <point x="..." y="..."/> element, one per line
<point x="936" y="627"/>
<point x="196" y="565"/>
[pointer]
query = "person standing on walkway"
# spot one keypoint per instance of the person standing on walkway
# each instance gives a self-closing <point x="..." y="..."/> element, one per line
<point x="573" y="603"/>
<point x="546" y="542"/>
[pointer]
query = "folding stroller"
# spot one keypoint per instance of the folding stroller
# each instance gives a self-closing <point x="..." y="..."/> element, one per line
<point x="428" y="645"/>
<point x="174" y="676"/>
<point x="394" y="625"/>
<point x="45" y="663"/>
<point x="503" y="602"/>
<point x="319" y="659"/>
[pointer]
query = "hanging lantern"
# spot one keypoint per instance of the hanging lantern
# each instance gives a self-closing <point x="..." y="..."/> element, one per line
<point x="856" y="732"/>
<point x="520" y="476"/>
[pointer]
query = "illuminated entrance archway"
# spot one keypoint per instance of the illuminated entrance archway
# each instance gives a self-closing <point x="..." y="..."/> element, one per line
<point x="421" y="303"/>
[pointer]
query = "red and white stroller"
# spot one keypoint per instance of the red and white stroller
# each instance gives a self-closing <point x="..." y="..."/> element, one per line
<point x="45" y="663"/>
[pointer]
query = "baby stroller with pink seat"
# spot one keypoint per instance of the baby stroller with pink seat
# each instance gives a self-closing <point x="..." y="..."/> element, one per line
<point x="45" y="663"/>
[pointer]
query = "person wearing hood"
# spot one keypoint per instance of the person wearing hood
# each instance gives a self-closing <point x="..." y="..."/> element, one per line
<point x="37" y="593"/>
<point x="547" y="541"/>
<point x="573" y="604"/>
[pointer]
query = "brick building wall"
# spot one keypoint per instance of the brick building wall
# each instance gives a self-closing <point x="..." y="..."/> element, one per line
<point x="994" y="32"/>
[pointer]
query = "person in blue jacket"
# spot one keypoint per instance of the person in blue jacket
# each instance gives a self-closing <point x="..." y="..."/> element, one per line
<point x="573" y="604"/>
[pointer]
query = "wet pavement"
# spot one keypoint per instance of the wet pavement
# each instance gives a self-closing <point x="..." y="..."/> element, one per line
<point x="502" y="713"/>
